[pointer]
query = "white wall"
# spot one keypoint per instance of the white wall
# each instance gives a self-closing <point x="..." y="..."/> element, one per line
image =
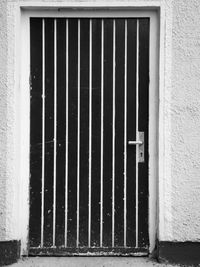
<point x="185" y="116"/>
<point x="179" y="186"/>
<point x="8" y="163"/>
<point x="3" y="115"/>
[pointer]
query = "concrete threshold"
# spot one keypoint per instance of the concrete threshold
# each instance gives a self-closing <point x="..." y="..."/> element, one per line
<point x="88" y="262"/>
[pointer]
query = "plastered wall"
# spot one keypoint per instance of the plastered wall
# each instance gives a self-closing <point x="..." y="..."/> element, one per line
<point x="179" y="195"/>
<point x="3" y="115"/>
<point x="185" y="116"/>
<point x="8" y="179"/>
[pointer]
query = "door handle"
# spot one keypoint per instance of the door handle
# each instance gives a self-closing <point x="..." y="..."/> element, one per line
<point x="131" y="143"/>
<point x="139" y="142"/>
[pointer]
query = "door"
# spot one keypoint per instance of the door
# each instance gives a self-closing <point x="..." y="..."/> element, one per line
<point x="89" y="136"/>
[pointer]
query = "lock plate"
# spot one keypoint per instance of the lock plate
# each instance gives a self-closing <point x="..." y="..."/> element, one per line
<point x="141" y="147"/>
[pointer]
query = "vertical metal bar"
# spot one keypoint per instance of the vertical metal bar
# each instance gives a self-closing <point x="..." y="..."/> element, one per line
<point x="113" y="141"/>
<point x="102" y="129"/>
<point x="90" y="134"/>
<point x="78" y="139"/>
<point x="125" y="130"/>
<point x="66" y="141"/>
<point x="55" y="130"/>
<point x="43" y="131"/>
<point x="137" y="109"/>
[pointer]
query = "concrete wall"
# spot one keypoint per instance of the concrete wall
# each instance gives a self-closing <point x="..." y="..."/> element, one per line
<point x="179" y="197"/>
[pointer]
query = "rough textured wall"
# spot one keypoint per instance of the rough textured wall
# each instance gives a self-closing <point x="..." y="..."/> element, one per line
<point x="181" y="189"/>
<point x="3" y="113"/>
<point x="185" y="110"/>
<point x="8" y="177"/>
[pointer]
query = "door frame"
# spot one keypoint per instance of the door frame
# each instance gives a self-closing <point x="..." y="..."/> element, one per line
<point x="156" y="147"/>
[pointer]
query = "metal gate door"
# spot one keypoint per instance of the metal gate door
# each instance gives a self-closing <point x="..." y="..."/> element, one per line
<point x="89" y="136"/>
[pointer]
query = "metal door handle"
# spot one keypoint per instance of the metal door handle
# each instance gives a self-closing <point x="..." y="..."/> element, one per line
<point x="139" y="142"/>
<point x="131" y="143"/>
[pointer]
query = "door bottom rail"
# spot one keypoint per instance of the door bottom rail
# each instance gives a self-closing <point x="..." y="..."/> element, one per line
<point x="85" y="251"/>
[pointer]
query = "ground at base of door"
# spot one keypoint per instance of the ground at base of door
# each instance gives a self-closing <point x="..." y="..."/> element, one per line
<point x="88" y="262"/>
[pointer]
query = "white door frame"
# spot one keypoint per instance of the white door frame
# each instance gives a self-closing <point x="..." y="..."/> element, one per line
<point x="89" y="9"/>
